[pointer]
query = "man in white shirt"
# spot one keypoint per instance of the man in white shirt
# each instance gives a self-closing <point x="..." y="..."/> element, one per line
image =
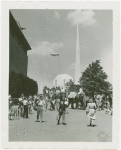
<point x="40" y="104"/>
<point x="25" y="103"/>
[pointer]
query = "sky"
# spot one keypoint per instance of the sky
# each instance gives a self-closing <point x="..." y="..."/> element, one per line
<point x="54" y="31"/>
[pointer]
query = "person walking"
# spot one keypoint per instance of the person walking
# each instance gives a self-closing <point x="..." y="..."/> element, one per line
<point x="25" y="103"/>
<point x="90" y="111"/>
<point x="40" y="108"/>
<point x="61" y="113"/>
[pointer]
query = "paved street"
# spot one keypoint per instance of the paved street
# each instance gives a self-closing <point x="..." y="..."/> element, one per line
<point x="77" y="128"/>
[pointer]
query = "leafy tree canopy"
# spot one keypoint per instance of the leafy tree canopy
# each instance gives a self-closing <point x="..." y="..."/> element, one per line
<point x="93" y="80"/>
<point x="18" y="84"/>
<point x="73" y="87"/>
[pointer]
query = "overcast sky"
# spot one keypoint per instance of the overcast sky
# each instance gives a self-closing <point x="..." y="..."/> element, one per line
<point x="49" y="31"/>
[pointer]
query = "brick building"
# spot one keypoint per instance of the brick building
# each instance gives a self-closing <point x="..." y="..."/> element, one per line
<point x="18" y="46"/>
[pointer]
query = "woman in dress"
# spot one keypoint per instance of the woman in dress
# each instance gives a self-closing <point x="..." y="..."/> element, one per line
<point x="91" y="110"/>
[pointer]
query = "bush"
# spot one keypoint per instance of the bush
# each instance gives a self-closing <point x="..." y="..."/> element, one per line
<point x="18" y="84"/>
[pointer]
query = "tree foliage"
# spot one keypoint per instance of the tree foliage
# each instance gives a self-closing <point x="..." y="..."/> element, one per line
<point x="93" y="80"/>
<point x="73" y="87"/>
<point x="53" y="89"/>
<point x="19" y="84"/>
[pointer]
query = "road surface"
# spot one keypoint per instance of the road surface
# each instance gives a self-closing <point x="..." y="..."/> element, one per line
<point x="77" y="128"/>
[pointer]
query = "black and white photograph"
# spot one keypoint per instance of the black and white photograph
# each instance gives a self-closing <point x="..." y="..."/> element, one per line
<point x="60" y="79"/>
<point x="60" y="82"/>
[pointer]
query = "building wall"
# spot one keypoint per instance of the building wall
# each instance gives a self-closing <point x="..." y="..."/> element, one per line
<point x="17" y="54"/>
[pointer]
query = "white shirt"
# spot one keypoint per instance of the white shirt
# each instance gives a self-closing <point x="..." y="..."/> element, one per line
<point x="25" y="102"/>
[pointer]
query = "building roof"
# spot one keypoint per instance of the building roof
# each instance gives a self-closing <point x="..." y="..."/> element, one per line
<point x="14" y="26"/>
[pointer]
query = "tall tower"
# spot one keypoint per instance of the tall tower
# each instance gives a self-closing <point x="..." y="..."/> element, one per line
<point x="77" y="65"/>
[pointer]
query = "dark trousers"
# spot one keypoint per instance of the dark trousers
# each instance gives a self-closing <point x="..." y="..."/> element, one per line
<point x="25" y="111"/>
<point x="77" y="103"/>
<point x="63" y="116"/>
<point x="71" y="102"/>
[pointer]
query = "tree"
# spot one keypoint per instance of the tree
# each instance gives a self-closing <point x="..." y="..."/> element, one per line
<point x="73" y="87"/>
<point x="93" y="80"/>
<point x="19" y="84"/>
<point x="44" y="90"/>
<point x="69" y="83"/>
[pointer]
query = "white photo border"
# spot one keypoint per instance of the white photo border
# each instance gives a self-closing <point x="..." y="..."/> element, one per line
<point x="100" y="5"/>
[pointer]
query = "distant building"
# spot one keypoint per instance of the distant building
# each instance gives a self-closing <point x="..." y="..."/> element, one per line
<point x="61" y="80"/>
<point x="18" y="46"/>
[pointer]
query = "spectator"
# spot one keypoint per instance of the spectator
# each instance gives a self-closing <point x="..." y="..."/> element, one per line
<point x="40" y="104"/>
<point x="62" y="113"/>
<point x="91" y="110"/>
<point x="25" y="103"/>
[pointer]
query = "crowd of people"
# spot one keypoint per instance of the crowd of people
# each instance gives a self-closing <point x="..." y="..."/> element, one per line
<point x="60" y="103"/>
<point x="22" y="108"/>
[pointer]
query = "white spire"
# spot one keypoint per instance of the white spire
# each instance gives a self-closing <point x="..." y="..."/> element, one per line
<point x="77" y="65"/>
